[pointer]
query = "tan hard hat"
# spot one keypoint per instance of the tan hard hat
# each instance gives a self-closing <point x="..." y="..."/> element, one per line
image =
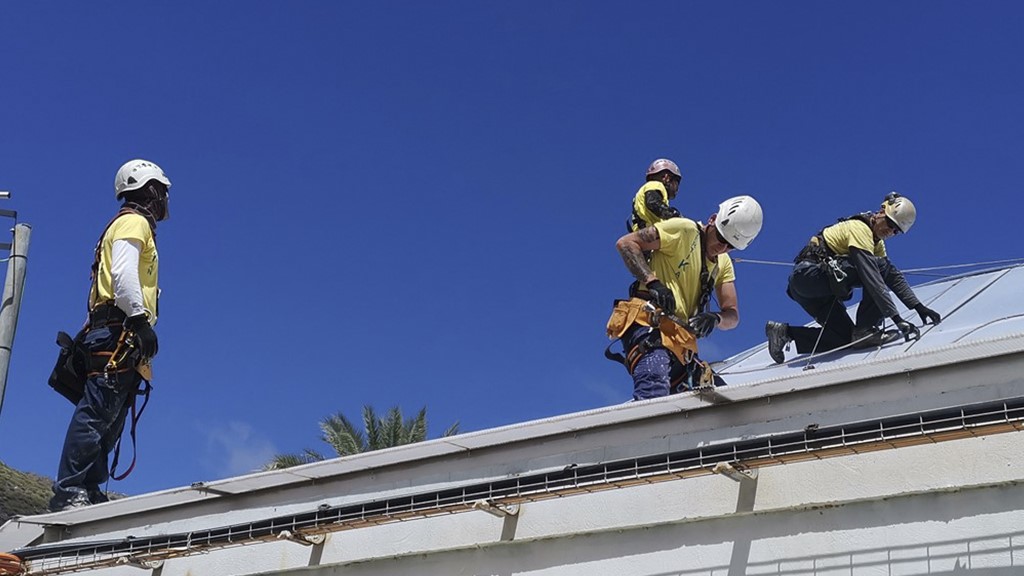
<point x="662" y="164"/>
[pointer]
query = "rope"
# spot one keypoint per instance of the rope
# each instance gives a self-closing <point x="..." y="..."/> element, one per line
<point x="951" y="266"/>
<point x="773" y="263"/>
<point x="810" y="359"/>
<point x="915" y="271"/>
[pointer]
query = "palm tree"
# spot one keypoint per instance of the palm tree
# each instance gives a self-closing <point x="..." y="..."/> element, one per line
<point x="378" y="432"/>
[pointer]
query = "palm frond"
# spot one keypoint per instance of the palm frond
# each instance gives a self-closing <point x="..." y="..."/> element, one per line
<point x="380" y="432"/>
<point x="452" y="430"/>
<point x="282" y="461"/>
<point x="371" y="423"/>
<point x="416" y="428"/>
<point x="342" y="435"/>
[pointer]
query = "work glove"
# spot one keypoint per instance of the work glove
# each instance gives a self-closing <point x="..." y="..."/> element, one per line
<point x="927" y="314"/>
<point x="145" y="337"/>
<point x="703" y="323"/>
<point x="910" y="332"/>
<point x="662" y="296"/>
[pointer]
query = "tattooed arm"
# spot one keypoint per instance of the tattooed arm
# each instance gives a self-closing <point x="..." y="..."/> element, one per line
<point x="631" y="247"/>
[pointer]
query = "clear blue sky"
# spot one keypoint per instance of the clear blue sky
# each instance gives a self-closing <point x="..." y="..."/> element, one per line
<point x="416" y="203"/>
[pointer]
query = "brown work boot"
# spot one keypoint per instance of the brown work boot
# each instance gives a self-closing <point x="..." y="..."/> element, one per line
<point x="778" y="338"/>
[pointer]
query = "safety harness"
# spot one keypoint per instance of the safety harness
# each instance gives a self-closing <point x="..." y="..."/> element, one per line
<point x="125" y="356"/>
<point x="818" y="252"/>
<point x="75" y="364"/>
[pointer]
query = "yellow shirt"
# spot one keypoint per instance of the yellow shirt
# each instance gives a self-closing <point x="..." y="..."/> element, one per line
<point x="677" y="263"/>
<point x="852" y="234"/>
<point x="640" y="207"/>
<point x="129" y="227"/>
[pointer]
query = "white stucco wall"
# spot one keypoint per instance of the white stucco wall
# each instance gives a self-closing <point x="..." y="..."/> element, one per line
<point x="932" y="509"/>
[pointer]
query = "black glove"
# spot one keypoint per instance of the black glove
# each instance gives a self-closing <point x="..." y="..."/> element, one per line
<point x="145" y="337"/>
<point x="662" y="296"/>
<point x="927" y="314"/>
<point x="704" y="323"/>
<point x="910" y="332"/>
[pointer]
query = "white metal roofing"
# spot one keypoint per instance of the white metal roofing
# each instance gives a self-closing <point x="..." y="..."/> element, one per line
<point x="983" y="316"/>
<point x="980" y="308"/>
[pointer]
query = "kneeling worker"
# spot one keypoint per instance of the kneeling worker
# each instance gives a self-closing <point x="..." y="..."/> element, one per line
<point x="845" y="255"/>
<point x="688" y="261"/>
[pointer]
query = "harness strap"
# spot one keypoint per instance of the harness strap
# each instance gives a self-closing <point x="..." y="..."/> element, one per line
<point x="707" y="278"/>
<point x="98" y="252"/>
<point x="144" y="391"/>
<point x="632" y="356"/>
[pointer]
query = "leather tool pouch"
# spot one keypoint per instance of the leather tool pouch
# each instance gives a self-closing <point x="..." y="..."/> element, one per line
<point x="674" y="337"/>
<point x="69" y="373"/>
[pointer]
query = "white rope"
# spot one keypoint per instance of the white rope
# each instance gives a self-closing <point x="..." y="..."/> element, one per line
<point x="763" y="262"/>
<point x="907" y="271"/>
<point x="951" y="266"/>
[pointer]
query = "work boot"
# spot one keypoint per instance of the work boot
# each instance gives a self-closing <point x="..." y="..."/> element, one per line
<point x="778" y="338"/>
<point x="97" y="496"/>
<point x="75" y="500"/>
<point x="871" y="337"/>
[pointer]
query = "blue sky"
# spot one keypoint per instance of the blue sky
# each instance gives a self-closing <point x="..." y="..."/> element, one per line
<point x="416" y="203"/>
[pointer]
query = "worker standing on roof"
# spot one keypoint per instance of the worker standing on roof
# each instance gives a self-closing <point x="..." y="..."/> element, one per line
<point x="688" y="261"/>
<point x="842" y="256"/>
<point x="650" y="204"/>
<point x="118" y="337"/>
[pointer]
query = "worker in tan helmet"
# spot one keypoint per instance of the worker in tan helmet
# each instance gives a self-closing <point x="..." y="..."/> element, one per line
<point x="651" y="203"/>
<point x="847" y="255"/>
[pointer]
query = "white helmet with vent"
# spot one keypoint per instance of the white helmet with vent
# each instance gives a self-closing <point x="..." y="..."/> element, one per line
<point x="739" y="220"/>
<point x="134" y="174"/>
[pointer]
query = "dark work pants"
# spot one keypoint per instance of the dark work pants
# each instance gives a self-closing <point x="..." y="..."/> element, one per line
<point x="809" y="287"/>
<point x="95" y="425"/>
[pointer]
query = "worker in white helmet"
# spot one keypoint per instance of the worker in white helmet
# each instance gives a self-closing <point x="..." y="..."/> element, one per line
<point x="118" y="339"/>
<point x="845" y="255"/>
<point x="651" y="202"/>
<point x="669" y="305"/>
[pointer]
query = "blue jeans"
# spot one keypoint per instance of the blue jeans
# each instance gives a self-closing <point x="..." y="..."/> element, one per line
<point x="656" y="369"/>
<point x="96" y="423"/>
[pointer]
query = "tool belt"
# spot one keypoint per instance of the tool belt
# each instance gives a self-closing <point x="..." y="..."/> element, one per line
<point x="637" y="311"/>
<point x="817" y="252"/>
<point x="106" y="315"/>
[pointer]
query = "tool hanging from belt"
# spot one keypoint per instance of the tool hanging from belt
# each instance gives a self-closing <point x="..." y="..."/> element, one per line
<point x="675" y="334"/>
<point x="123" y="358"/>
<point x="817" y="252"/>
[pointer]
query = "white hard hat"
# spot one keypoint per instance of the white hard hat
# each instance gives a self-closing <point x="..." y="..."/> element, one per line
<point x="739" y="220"/>
<point x="900" y="210"/>
<point x="662" y="164"/>
<point x="134" y="174"/>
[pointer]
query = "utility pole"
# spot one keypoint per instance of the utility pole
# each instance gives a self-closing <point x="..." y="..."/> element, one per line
<point x="14" y="286"/>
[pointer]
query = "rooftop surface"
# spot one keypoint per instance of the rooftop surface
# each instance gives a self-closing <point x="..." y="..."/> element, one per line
<point x="977" y="307"/>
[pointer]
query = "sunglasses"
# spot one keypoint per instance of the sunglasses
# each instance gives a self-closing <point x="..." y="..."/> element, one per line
<point x="892" y="226"/>
<point x="723" y="240"/>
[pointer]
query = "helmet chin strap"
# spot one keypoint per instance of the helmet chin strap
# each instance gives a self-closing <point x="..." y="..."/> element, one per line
<point x="143" y="210"/>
